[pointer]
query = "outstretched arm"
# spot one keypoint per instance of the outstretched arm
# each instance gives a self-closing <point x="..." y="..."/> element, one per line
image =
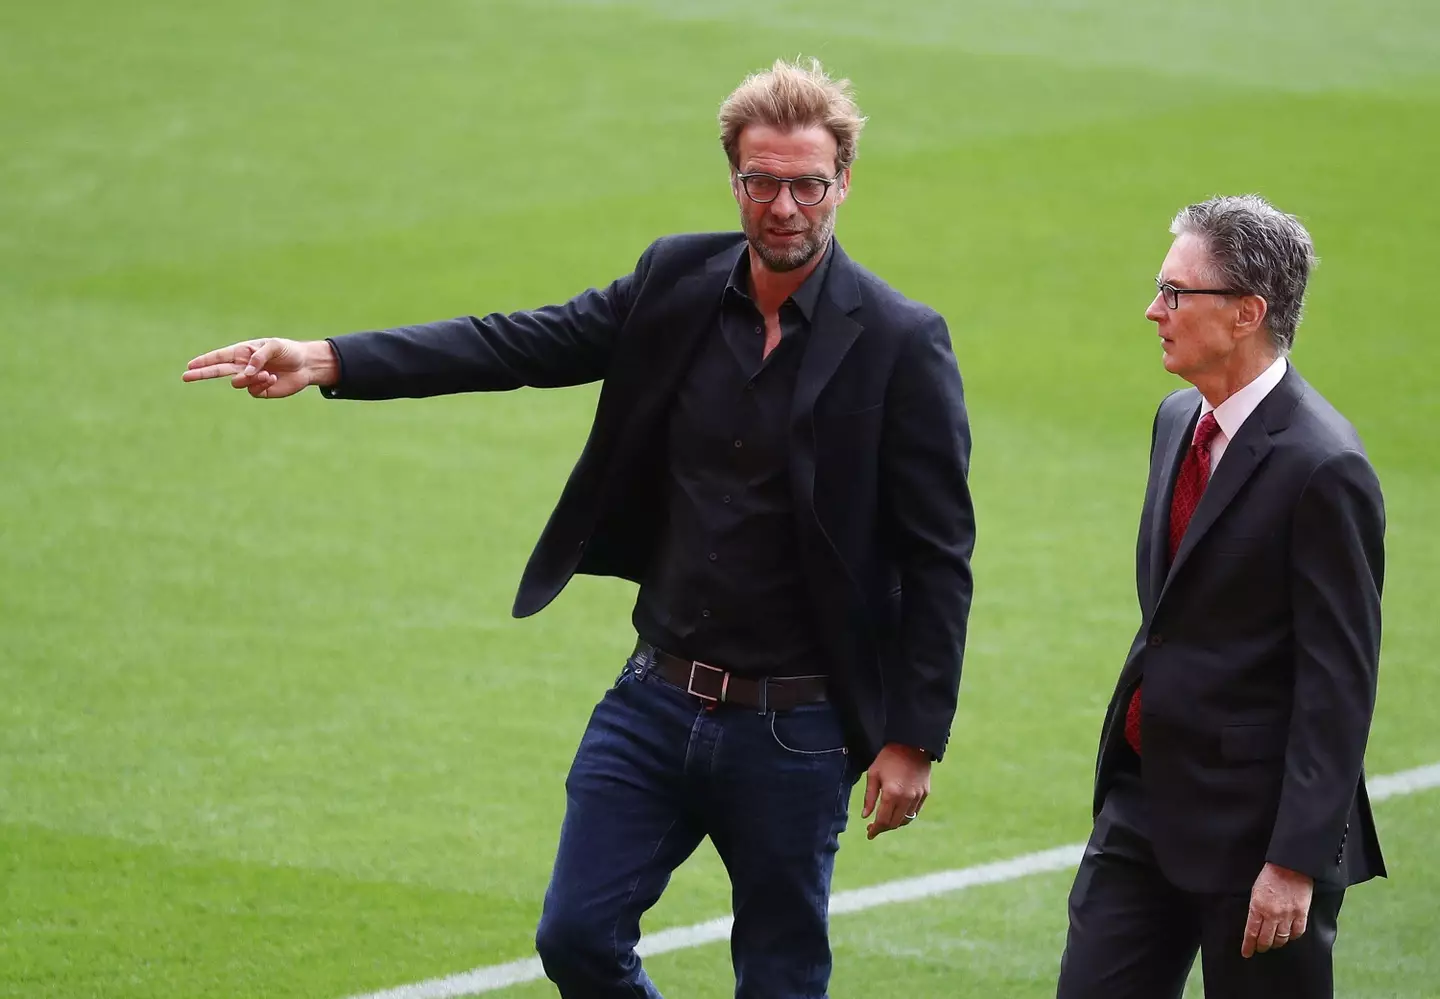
<point x="568" y="344"/>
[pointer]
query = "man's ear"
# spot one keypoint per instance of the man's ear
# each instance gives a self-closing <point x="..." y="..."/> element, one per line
<point x="1250" y="319"/>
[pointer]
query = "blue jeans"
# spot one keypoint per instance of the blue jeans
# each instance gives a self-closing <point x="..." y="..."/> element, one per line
<point x="655" y="774"/>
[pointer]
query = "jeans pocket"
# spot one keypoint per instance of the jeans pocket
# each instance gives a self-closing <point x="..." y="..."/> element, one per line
<point x="627" y="672"/>
<point x="809" y="730"/>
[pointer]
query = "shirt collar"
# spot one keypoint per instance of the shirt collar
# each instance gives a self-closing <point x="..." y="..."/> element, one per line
<point x="806" y="297"/>
<point x="1234" y="411"/>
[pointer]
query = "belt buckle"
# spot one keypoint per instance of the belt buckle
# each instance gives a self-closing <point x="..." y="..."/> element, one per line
<point x="724" y="682"/>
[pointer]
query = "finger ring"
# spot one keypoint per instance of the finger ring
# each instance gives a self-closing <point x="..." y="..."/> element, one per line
<point x="912" y="815"/>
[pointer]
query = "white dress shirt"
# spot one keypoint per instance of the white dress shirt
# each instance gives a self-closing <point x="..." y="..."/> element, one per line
<point x="1234" y="411"/>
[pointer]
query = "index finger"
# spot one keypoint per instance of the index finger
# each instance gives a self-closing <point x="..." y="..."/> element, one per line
<point x="891" y="812"/>
<point x="236" y="353"/>
<point x="872" y="793"/>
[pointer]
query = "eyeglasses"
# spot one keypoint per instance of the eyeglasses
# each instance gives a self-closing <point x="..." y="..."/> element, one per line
<point x="1172" y="294"/>
<point x="763" y="188"/>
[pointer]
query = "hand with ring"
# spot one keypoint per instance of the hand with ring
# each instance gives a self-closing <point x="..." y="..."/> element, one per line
<point x="895" y="788"/>
<point x="1279" y="910"/>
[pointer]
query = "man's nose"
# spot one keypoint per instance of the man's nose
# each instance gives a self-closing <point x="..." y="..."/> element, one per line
<point x="1158" y="309"/>
<point x="784" y="205"/>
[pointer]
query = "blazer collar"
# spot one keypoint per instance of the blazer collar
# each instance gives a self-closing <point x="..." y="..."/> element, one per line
<point x="806" y="297"/>
<point x="833" y="330"/>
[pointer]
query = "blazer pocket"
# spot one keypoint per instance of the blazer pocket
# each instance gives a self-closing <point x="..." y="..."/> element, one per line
<point x="832" y="421"/>
<point x="1239" y="544"/>
<point x="856" y="412"/>
<point x="1253" y="743"/>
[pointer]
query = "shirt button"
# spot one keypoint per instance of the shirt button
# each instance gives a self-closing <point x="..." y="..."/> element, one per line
<point x="705" y="612"/>
<point x="739" y="443"/>
<point x="1156" y="641"/>
<point x="713" y="556"/>
<point x="759" y="330"/>
<point x="726" y="501"/>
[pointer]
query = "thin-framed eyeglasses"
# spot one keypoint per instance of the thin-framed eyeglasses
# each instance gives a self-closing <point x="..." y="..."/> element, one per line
<point x="763" y="188"/>
<point x="1172" y="294"/>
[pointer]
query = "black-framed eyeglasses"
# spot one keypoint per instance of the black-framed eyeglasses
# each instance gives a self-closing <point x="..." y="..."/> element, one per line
<point x="763" y="188"/>
<point x="1172" y="294"/>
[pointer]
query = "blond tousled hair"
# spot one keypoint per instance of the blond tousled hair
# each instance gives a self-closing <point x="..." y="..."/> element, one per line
<point x="787" y="96"/>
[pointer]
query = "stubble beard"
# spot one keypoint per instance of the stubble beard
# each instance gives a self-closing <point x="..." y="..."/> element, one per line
<point x="817" y="237"/>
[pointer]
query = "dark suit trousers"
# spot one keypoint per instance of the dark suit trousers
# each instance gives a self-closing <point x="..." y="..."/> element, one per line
<point x="1134" y="935"/>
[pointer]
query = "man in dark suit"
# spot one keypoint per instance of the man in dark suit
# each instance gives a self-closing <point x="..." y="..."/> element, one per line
<point x="779" y="459"/>
<point x="1230" y="805"/>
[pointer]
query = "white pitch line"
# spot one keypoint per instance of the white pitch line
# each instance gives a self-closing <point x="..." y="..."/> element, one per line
<point x="480" y="980"/>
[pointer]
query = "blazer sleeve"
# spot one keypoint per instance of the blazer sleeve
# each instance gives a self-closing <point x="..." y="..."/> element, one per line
<point x="930" y="523"/>
<point x="1337" y="570"/>
<point x="550" y="347"/>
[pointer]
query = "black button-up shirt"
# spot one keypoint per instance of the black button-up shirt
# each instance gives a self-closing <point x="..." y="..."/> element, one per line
<point x="726" y="586"/>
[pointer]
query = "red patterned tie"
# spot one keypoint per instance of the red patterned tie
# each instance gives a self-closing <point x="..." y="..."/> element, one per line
<point x="1189" y="486"/>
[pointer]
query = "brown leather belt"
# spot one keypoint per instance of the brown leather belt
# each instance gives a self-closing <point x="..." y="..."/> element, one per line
<point x="714" y="685"/>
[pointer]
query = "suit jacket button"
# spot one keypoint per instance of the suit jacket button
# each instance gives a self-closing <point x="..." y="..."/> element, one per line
<point x="1156" y="641"/>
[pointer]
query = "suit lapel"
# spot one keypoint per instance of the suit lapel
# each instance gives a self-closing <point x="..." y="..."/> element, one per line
<point x="674" y="330"/>
<point x="635" y="401"/>
<point x="832" y="334"/>
<point x="1171" y="451"/>
<point x="1243" y="456"/>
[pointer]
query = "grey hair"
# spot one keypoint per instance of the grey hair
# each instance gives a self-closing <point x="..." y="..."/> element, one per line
<point x="1257" y="249"/>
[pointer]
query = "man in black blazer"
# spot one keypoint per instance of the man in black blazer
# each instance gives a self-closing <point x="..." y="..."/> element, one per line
<point x="779" y="459"/>
<point x="1230" y="805"/>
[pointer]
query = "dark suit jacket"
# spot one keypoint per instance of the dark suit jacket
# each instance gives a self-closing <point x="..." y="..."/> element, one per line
<point x="1259" y="650"/>
<point x="879" y="449"/>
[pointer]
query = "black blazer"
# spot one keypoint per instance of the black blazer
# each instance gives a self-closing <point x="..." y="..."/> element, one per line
<point x="879" y="449"/>
<point x="1259" y="650"/>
